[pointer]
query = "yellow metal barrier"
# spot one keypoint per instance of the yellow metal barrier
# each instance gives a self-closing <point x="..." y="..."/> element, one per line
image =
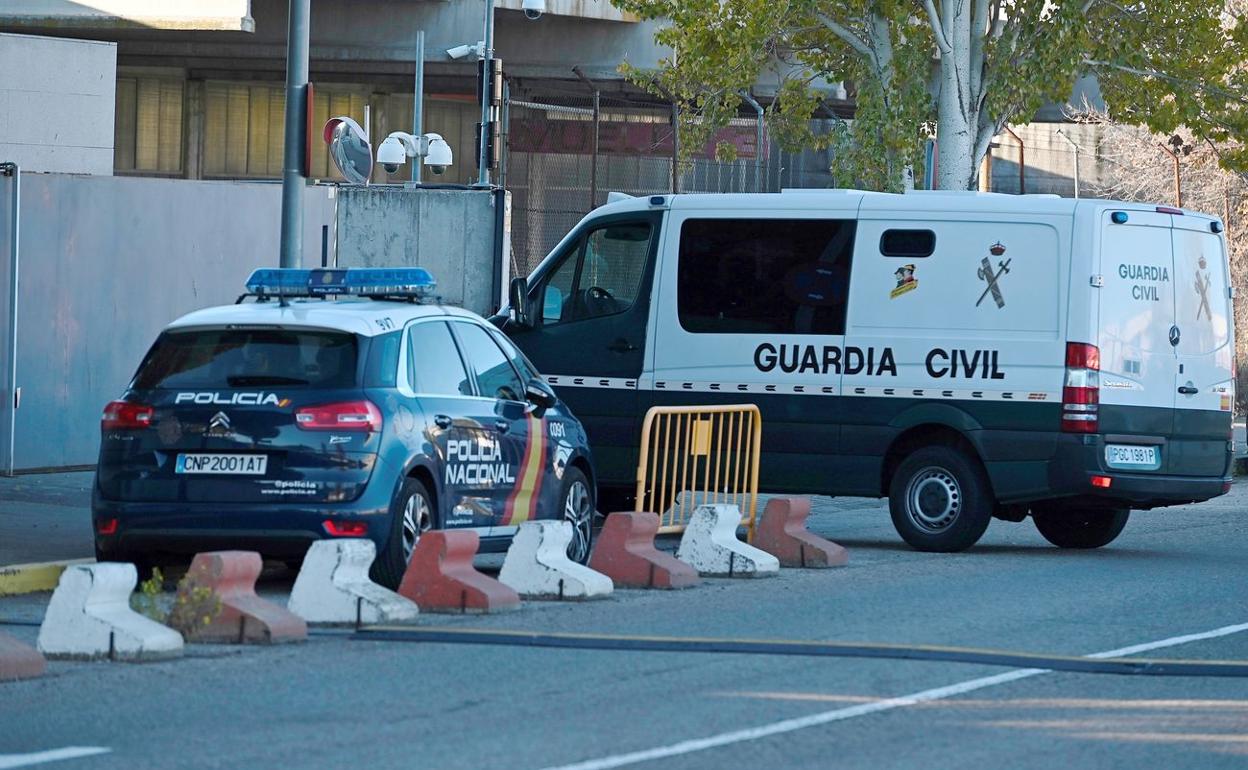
<point x="695" y="455"/>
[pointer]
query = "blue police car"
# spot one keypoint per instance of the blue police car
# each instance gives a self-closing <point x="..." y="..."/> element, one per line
<point x="334" y="404"/>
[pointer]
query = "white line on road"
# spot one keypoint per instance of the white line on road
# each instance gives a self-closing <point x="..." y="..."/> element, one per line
<point x="8" y="761"/>
<point x="841" y="714"/>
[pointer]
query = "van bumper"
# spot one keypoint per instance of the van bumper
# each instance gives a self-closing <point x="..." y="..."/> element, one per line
<point x="1078" y="459"/>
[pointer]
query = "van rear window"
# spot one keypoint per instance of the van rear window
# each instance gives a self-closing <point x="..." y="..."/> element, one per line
<point x="779" y="276"/>
<point x="241" y="358"/>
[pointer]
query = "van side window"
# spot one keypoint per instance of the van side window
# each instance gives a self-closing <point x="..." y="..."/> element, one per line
<point x="912" y="244"/>
<point x="600" y="277"/>
<point x="764" y="276"/>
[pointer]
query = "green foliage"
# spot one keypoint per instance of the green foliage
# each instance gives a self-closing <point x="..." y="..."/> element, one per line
<point x="1160" y="63"/>
<point x="146" y="601"/>
<point x="193" y="606"/>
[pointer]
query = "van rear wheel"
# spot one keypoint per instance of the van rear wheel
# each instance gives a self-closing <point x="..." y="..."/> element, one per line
<point x="1080" y="527"/>
<point x="940" y="499"/>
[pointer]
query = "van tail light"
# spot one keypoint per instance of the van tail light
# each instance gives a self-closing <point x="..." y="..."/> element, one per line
<point x="1081" y="394"/>
<point x="341" y="416"/>
<point x="123" y="415"/>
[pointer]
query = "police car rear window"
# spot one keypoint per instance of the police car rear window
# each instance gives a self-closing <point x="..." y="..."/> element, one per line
<point x="241" y="358"/>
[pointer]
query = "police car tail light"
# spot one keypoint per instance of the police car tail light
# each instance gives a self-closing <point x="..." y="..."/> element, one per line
<point x="123" y="415"/>
<point x="344" y="415"/>
<point x="345" y="528"/>
<point x="1081" y="394"/>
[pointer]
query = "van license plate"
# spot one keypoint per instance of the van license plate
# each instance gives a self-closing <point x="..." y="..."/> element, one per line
<point x="1132" y="456"/>
<point x="223" y="465"/>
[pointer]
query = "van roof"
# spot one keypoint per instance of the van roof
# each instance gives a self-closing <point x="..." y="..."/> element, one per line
<point x="865" y="201"/>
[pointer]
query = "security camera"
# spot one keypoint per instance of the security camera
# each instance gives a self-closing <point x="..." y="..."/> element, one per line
<point x="437" y="153"/>
<point x="392" y="153"/>
<point x="533" y="9"/>
<point x="460" y="51"/>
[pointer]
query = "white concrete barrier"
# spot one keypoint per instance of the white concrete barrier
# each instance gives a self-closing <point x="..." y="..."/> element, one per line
<point x="537" y="565"/>
<point x="710" y="545"/>
<point x="90" y="617"/>
<point x="333" y="587"/>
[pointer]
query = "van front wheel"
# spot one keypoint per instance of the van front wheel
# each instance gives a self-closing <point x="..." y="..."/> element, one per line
<point x="1080" y="528"/>
<point x="940" y="500"/>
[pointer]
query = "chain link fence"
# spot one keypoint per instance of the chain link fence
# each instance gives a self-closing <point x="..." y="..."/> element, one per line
<point x="563" y="157"/>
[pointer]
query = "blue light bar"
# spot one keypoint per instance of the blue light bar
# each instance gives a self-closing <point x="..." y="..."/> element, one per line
<point x="361" y="281"/>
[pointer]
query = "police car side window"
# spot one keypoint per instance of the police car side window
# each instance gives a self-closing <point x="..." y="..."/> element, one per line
<point x="601" y="278"/>
<point x="495" y="376"/>
<point x="435" y="363"/>
<point x="518" y="360"/>
<point x="764" y="276"/>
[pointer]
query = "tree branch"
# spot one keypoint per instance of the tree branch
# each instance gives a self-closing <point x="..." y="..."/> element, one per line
<point x="848" y="37"/>
<point x="1198" y="86"/>
<point x="942" y="41"/>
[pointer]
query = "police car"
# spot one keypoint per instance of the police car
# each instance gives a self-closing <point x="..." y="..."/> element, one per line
<point x="334" y="404"/>
<point x="965" y="355"/>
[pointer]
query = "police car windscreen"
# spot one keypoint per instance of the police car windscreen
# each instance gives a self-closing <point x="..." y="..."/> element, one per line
<point x="241" y="358"/>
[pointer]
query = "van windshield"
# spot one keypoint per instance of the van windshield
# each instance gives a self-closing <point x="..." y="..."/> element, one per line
<point x="241" y="358"/>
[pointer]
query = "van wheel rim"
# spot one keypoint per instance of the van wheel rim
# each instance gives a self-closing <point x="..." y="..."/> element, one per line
<point x="416" y="522"/>
<point x="579" y="513"/>
<point x="933" y="500"/>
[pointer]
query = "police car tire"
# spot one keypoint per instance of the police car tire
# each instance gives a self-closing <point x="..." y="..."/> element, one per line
<point x="1080" y="528"/>
<point x="570" y="476"/>
<point x="949" y="469"/>
<point x="390" y="564"/>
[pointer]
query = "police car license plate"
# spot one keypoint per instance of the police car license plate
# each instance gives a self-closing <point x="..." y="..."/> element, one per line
<point x="1132" y="456"/>
<point x="223" y="464"/>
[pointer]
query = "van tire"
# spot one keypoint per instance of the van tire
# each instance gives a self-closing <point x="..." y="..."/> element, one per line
<point x="1080" y="527"/>
<point x="940" y="499"/>
<point x="391" y="563"/>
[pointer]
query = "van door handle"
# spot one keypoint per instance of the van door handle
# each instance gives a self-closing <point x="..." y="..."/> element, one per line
<point x="442" y="421"/>
<point x="621" y="345"/>
<point x="503" y="425"/>
<point x="1188" y="390"/>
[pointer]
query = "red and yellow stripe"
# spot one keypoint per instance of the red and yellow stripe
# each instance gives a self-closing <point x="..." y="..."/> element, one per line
<point x="522" y="502"/>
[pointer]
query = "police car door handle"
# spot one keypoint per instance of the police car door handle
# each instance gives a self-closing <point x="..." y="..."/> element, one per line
<point x="442" y="421"/>
<point x="621" y="345"/>
<point x="502" y="425"/>
<point x="1188" y="390"/>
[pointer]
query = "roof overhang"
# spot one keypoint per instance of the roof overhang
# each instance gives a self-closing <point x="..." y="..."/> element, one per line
<point x="210" y="15"/>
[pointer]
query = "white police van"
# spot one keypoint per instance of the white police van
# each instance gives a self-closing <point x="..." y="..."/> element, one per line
<point x="966" y="355"/>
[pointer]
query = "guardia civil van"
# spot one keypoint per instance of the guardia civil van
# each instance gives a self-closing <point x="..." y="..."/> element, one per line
<point x="964" y="355"/>
<point x="334" y="403"/>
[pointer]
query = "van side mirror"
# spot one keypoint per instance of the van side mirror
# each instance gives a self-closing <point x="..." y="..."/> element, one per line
<point x="521" y="308"/>
<point x="539" y="394"/>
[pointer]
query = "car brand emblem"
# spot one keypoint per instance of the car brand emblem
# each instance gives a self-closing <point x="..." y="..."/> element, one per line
<point x="220" y="422"/>
<point x="1174" y="336"/>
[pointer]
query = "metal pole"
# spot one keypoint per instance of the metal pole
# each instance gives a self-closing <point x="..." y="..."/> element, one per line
<point x="597" y="118"/>
<point x="675" y="148"/>
<point x="418" y="98"/>
<point x="487" y="52"/>
<point x="296" y="139"/>
<point x="12" y="170"/>
<point x="758" y="140"/>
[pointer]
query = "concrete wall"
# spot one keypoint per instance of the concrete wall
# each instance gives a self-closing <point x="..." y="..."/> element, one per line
<point x="160" y="14"/>
<point x="450" y="233"/>
<point x="56" y="103"/>
<point x="106" y="262"/>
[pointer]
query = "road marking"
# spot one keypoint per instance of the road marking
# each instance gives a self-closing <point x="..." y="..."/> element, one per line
<point x="55" y="755"/>
<point x="888" y="704"/>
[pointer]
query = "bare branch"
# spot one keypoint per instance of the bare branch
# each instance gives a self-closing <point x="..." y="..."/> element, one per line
<point x="850" y="39"/>
<point x="942" y="41"/>
<point x="1198" y="86"/>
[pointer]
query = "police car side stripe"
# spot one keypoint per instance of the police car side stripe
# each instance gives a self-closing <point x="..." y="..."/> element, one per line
<point x="962" y="394"/>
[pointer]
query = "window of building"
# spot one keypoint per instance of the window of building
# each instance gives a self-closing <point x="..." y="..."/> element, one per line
<point x="147" y="128"/>
<point x="764" y="276"/>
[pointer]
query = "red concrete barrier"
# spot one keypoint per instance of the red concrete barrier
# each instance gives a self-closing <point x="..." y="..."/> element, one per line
<point x="440" y="576"/>
<point x="782" y="533"/>
<point x="625" y="552"/>
<point x="243" y="618"/>
<point x="19" y="661"/>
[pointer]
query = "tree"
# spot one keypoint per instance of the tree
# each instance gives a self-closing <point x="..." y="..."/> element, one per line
<point x="960" y="68"/>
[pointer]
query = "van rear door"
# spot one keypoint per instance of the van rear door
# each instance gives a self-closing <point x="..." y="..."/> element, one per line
<point x="1204" y="387"/>
<point x="1137" y="392"/>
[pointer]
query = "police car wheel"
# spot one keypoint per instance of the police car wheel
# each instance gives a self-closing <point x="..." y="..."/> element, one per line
<point x="577" y="505"/>
<point x="411" y="515"/>
<point x="1080" y="528"/>
<point x="940" y="500"/>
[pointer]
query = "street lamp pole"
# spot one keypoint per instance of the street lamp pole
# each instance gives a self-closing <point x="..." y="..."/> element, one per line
<point x="296" y="139"/>
<point x="487" y="53"/>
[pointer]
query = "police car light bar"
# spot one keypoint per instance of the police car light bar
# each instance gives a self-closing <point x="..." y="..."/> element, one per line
<point x="362" y="281"/>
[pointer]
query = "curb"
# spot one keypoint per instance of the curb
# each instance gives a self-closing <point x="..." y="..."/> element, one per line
<point x="29" y="578"/>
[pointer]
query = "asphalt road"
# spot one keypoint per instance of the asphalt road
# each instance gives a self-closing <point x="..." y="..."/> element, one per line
<point x="336" y="702"/>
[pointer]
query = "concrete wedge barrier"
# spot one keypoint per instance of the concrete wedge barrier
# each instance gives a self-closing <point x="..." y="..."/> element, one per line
<point x="625" y="552"/>
<point x="782" y="533"/>
<point x="710" y="545"/>
<point x="228" y="579"/>
<point x="537" y="565"/>
<point x="440" y="576"/>
<point x="89" y="617"/>
<point x="18" y="660"/>
<point x="333" y="587"/>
